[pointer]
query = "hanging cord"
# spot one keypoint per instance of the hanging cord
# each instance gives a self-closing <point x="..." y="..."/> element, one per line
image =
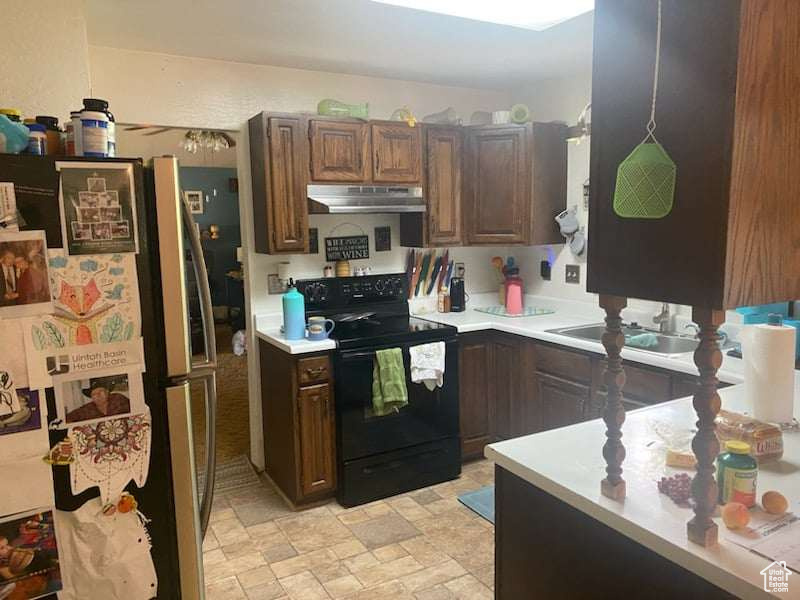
<point x="651" y="124"/>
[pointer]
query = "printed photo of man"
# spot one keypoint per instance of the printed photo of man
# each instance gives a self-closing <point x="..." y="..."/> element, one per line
<point x="106" y="398"/>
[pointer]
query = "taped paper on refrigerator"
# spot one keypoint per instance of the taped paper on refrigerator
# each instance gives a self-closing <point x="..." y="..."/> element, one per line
<point x="98" y="395"/>
<point x="24" y="282"/>
<point x="110" y="454"/>
<point x="29" y="556"/>
<point x="8" y="207"/>
<point x="12" y="342"/>
<point x="9" y="403"/>
<point x="82" y="359"/>
<point x="105" y="557"/>
<point x="23" y="434"/>
<point x="98" y="207"/>
<point x="28" y="483"/>
<point x="96" y="302"/>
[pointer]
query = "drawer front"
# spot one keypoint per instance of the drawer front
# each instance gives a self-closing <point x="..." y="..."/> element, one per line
<point x="566" y="364"/>
<point x="313" y="370"/>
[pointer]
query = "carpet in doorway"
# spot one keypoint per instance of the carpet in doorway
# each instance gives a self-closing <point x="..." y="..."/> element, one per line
<point x="481" y="502"/>
<point x="232" y="476"/>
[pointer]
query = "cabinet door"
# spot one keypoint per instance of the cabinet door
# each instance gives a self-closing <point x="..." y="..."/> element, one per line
<point x="289" y="203"/>
<point x="498" y="174"/>
<point x="507" y="378"/>
<point x="475" y="399"/>
<point x="317" y="458"/>
<point x="395" y="153"/>
<point x="339" y="150"/>
<point x="561" y="402"/>
<point x="443" y="185"/>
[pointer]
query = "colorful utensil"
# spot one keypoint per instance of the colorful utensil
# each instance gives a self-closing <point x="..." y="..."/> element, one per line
<point x="426" y="263"/>
<point x="437" y="266"/>
<point x="415" y="277"/>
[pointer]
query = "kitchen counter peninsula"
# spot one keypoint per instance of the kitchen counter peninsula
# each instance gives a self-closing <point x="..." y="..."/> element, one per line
<point x="557" y="536"/>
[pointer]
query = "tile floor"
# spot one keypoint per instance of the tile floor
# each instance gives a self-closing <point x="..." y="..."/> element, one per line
<point x="424" y="545"/>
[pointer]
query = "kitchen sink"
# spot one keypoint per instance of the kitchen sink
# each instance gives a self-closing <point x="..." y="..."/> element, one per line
<point x="667" y="344"/>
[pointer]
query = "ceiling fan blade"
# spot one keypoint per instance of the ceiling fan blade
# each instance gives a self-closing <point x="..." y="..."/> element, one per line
<point x="137" y="127"/>
<point x="157" y="131"/>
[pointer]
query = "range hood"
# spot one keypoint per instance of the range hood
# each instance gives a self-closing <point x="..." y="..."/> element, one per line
<point x="351" y="199"/>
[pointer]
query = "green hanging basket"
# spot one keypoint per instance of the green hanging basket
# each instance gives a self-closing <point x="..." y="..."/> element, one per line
<point x="645" y="183"/>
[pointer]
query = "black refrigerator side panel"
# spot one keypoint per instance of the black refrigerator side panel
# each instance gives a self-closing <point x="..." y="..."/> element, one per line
<point x="155" y="499"/>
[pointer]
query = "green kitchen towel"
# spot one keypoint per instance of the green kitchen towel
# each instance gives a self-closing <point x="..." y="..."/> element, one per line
<point x="389" y="393"/>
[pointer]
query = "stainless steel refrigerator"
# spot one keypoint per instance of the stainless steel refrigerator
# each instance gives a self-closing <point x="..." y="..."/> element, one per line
<point x="169" y="255"/>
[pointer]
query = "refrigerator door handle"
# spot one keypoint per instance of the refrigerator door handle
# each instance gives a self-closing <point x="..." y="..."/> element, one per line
<point x="184" y="481"/>
<point x="205" y="369"/>
<point x="203" y="290"/>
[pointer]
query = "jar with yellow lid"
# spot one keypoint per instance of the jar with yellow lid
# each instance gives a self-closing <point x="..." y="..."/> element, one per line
<point x="13" y="114"/>
<point x="737" y="472"/>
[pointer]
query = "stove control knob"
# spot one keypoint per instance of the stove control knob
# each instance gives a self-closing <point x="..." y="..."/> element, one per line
<point x="379" y="285"/>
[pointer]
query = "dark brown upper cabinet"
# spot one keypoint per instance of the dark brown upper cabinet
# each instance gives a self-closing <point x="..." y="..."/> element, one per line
<point x="728" y="116"/>
<point x="278" y="158"/>
<point x="442" y="181"/>
<point x="396" y="152"/>
<point x="515" y="183"/>
<point x="339" y="150"/>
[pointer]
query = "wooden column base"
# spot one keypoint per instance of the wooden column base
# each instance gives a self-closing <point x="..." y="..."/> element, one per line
<point x="705" y="535"/>
<point x="613" y="491"/>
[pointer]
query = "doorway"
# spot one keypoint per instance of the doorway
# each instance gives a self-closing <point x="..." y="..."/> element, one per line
<point x="209" y="183"/>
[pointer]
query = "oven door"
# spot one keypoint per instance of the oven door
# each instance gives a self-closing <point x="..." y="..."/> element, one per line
<point x="428" y="416"/>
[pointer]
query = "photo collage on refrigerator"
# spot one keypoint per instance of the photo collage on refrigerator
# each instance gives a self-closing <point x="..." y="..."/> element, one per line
<point x="70" y="327"/>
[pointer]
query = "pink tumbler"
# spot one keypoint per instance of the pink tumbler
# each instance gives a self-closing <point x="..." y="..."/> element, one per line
<point x="514" y="294"/>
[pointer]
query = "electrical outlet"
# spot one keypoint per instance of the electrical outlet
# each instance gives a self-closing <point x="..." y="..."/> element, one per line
<point x="573" y="274"/>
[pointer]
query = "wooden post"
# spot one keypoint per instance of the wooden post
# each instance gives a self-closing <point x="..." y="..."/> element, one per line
<point x="708" y="358"/>
<point x="613" y="486"/>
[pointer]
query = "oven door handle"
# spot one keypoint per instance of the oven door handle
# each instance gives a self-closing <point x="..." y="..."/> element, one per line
<point x="349" y="355"/>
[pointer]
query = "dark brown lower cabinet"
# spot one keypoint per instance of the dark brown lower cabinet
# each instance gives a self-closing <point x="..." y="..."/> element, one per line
<point x="476" y="405"/>
<point x="560" y="402"/>
<point x="512" y="386"/>
<point x="299" y="424"/>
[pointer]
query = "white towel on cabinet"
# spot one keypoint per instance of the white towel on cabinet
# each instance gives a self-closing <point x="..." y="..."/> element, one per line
<point x="427" y="364"/>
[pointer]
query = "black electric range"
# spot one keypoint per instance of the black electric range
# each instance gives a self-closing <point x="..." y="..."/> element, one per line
<point x="419" y="445"/>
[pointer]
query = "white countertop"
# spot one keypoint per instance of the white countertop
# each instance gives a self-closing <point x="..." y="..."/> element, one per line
<point x="646" y="516"/>
<point x="268" y="328"/>
<point x="568" y="313"/>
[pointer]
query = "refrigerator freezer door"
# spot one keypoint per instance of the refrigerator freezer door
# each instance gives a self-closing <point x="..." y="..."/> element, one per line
<point x="184" y="485"/>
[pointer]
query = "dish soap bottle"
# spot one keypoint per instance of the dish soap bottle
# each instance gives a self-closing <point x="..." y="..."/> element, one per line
<point x="294" y="313"/>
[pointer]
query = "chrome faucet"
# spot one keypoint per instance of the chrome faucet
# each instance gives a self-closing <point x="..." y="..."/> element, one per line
<point x="664" y="319"/>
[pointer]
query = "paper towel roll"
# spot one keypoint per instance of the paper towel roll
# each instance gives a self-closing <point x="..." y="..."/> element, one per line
<point x="768" y="354"/>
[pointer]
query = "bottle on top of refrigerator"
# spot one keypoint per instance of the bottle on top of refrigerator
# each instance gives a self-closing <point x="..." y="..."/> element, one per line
<point x="37" y="139"/>
<point x="94" y="133"/>
<point x="100" y="105"/>
<point x="52" y="132"/>
<point x="77" y="135"/>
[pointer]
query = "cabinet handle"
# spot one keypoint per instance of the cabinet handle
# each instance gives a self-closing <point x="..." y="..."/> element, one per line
<point x="315" y="371"/>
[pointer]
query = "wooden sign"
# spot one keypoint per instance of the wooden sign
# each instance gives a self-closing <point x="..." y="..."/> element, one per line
<point x="349" y="247"/>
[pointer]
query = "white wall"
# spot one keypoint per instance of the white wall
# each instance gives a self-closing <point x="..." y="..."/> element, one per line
<point x="145" y="87"/>
<point x="44" y="66"/>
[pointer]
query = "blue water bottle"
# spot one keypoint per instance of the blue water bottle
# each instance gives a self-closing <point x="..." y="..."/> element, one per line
<point x="294" y="313"/>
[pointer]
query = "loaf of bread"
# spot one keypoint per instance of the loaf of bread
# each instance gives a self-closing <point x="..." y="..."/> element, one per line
<point x="766" y="441"/>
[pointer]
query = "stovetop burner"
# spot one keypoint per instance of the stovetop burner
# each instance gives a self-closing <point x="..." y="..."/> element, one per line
<point x="369" y="311"/>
